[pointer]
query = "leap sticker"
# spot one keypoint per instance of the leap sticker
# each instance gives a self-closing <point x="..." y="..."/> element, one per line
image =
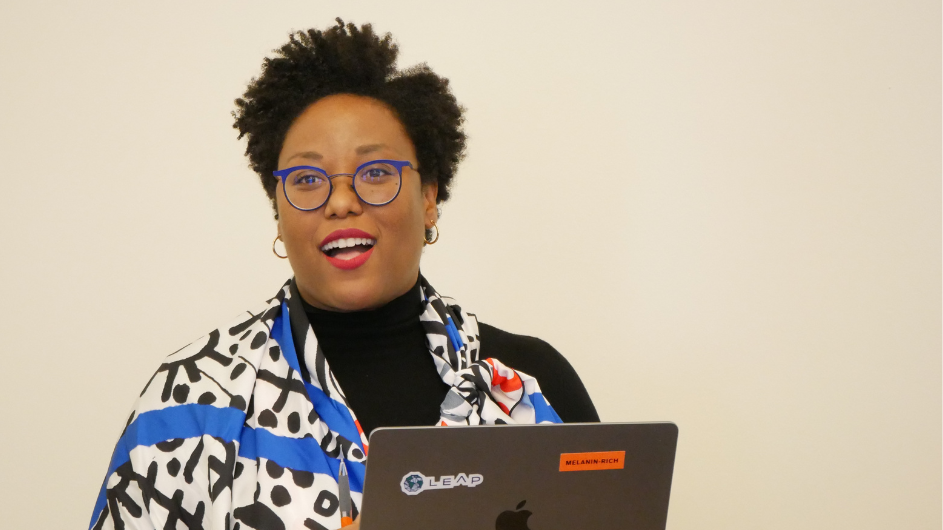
<point x="592" y="461"/>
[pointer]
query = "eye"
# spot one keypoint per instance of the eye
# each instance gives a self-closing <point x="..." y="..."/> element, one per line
<point x="377" y="173"/>
<point x="306" y="178"/>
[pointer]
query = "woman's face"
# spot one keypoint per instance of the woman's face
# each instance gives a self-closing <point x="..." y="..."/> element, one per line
<point x="337" y="134"/>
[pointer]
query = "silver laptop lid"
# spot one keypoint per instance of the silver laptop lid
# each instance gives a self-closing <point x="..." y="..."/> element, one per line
<point x="534" y="477"/>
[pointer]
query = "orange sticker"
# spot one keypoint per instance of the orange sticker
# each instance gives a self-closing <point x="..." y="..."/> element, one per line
<point x="592" y="461"/>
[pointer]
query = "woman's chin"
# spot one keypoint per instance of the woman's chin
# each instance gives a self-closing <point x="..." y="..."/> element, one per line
<point x="358" y="295"/>
<point x="364" y="303"/>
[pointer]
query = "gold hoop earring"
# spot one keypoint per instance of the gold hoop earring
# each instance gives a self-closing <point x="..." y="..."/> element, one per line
<point x="436" y="238"/>
<point x="279" y="236"/>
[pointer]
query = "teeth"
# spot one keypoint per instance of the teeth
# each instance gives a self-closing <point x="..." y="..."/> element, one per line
<point x="347" y="243"/>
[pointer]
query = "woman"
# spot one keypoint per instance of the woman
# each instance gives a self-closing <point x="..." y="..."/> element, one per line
<point x="246" y="427"/>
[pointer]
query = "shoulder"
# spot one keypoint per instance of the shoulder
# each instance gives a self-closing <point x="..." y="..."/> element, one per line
<point x="500" y="338"/>
<point x="558" y="380"/>
<point x="217" y="369"/>
<point x="528" y="354"/>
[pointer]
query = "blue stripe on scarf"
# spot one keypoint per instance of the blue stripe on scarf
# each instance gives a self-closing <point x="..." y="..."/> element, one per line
<point x="332" y="412"/>
<point x="301" y="454"/>
<point x="281" y="332"/>
<point x="542" y="410"/>
<point x="181" y="421"/>
<point x="194" y="420"/>
<point x="453" y="334"/>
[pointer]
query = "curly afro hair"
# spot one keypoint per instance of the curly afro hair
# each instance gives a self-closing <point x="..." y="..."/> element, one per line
<point x="351" y="60"/>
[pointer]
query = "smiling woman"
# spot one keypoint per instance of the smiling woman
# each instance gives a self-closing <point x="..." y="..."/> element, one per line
<point x="355" y="156"/>
<point x="340" y="133"/>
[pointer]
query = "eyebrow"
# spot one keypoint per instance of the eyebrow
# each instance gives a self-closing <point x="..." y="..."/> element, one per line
<point x="369" y="148"/>
<point x="310" y="155"/>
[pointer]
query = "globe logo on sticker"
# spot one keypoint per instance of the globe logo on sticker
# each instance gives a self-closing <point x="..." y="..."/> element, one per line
<point x="412" y="483"/>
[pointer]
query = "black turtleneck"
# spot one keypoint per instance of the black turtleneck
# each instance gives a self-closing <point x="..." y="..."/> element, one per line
<point x="381" y="360"/>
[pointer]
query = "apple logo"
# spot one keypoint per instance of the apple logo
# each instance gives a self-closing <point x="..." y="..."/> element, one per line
<point x="509" y="520"/>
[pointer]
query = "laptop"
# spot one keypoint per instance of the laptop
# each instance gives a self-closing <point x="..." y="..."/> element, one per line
<point x="527" y="477"/>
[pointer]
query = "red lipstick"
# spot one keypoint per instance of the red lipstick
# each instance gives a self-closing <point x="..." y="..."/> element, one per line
<point x="355" y="261"/>
<point x="352" y="263"/>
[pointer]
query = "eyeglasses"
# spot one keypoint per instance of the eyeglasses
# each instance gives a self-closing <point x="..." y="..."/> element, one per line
<point x="376" y="183"/>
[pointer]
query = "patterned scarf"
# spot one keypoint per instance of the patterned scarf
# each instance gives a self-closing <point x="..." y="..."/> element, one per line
<point x="228" y="435"/>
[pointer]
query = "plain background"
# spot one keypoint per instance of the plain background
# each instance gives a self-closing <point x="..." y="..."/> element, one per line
<point x="725" y="214"/>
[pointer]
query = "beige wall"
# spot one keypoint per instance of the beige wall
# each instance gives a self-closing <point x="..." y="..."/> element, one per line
<point x="725" y="214"/>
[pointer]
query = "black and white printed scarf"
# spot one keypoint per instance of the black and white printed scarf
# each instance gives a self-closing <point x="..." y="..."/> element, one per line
<point x="227" y="434"/>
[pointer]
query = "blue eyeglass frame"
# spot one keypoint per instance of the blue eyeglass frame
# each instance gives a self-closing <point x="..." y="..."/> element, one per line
<point x="398" y="164"/>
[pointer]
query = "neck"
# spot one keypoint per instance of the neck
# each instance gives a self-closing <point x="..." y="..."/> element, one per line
<point x="404" y="309"/>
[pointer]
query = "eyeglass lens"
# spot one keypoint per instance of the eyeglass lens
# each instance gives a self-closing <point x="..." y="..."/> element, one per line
<point x="375" y="184"/>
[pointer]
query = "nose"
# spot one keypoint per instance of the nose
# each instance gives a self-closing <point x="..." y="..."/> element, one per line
<point x="343" y="200"/>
